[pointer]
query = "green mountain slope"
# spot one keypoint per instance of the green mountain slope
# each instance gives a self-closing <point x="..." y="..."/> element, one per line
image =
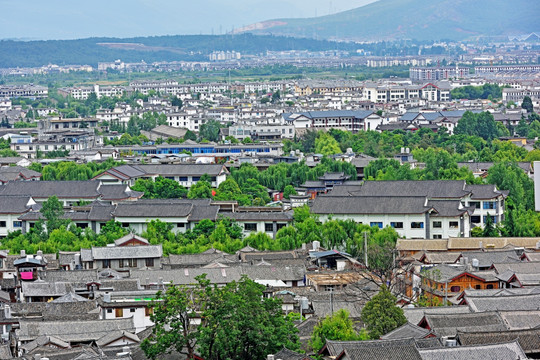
<point x="415" y="19"/>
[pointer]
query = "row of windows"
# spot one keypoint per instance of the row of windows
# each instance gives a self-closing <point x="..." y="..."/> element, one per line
<point x="451" y="224"/>
<point x="16" y="224"/>
<point x="268" y="227"/>
<point x="119" y="312"/>
<point x="398" y="224"/>
<point x="106" y="264"/>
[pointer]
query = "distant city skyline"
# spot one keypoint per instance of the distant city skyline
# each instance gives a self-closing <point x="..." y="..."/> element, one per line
<point x="60" y="19"/>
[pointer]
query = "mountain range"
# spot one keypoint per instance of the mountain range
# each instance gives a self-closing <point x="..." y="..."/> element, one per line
<point x="413" y="19"/>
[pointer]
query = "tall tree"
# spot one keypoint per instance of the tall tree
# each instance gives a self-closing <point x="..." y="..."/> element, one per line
<point x="381" y="315"/>
<point x="335" y="327"/>
<point x="527" y="104"/>
<point x="237" y="322"/>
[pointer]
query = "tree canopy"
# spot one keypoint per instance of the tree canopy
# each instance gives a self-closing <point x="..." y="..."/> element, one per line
<point x="237" y="322"/>
<point x="381" y="315"/>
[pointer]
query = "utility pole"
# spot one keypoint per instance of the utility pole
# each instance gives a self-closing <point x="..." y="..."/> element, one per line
<point x="332" y="301"/>
<point x="365" y="249"/>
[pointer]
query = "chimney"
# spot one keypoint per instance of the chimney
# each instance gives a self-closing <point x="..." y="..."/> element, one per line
<point x="23" y="253"/>
<point x="223" y="272"/>
<point x="270" y="357"/>
<point x="7" y="311"/>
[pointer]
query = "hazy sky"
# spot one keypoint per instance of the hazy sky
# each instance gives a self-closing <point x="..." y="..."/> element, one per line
<point x="62" y="19"/>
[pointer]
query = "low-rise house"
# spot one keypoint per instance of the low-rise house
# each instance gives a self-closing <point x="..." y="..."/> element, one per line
<point x="185" y="174"/>
<point x="262" y="219"/>
<point x="17" y="173"/>
<point x="68" y="192"/>
<point x="445" y="281"/>
<point x="128" y="304"/>
<point x="122" y="257"/>
<point x="331" y="280"/>
<point x="507" y="350"/>
<point x="11" y="208"/>
<point x="529" y="340"/>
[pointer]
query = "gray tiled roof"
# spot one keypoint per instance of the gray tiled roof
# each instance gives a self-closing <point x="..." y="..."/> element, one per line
<point x="116" y="335"/>
<point x="433" y="189"/>
<point x="488" y="258"/>
<point x="500" y="303"/>
<point x="449" y="208"/>
<point x="259" y="216"/>
<point x="14" y="204"/>
<point x="529" y="340"/>
<point x="46" y="189"/>
<point x="415" y="315"/>
<point x="127" y="252"/>
<point x="186" y="276"/>
<point x="482" y="192"/>
<point x="72" y="331"/>
<point x="448" y="325"/>
<point x="406" y="331"/>
<point x="400" y="349"/>
<point x="504" y="351"/>
<point x="369" y="205"/>
<point x="118" y="192"/>
<point x="152" y="210"/>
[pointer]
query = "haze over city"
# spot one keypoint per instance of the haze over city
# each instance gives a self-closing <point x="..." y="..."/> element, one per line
<point x="61" y="19"/>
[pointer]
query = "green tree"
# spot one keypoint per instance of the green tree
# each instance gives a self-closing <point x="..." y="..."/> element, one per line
<point x="288" y="191"/>
<point x="210" y="130"/>
<point x="325" y="144"/>
<point x="489" y="227"/>
<point x="527" y="104"/>
<point x="523" y="128"/>
<point x="334" y="327"/>
<point x="200" y="190"/>
<point x="53" y="210"/>
<point x="239" y="323"/>
<point x="171" y="315"/>
<point x="190" y="135"/>
<point x="381" y="315"/>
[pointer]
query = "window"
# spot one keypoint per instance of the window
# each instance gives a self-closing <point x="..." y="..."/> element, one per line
<point x="132" y="262"/>
<point x="437" y="236"/>
<point x="489" y="286"/>
<point x="417" y="225"/>
<point x="17" y="224"/>
<point x="125" y="225"/>
<point x="106" y="263"/>
<point x="437" y="224"/>
<point x="2" y="224"/>
<point x="378" y="224"/>
<point x="329" y="288"/>
<point x="268" y="227"/>
<point x="396" y="225"/>
<point x="149" y="262"/>
<point x="109" y="311"/>
<point x="477" y="287"/>
<point x="454" y="224"/>
<point x="490" y="205"/>
<point x="119" y="312"/>
<point x="148" y="311"/>
<point x="82" y="225"/>
<point x="196" y="178"/>
<point x="131" y="310"/>
<point x="475" y="219"/>
<point x="279" y="226"/>
<point x="183" y="178"/>
<point x="476" y="204"/>
<point x="455" y="289"/>
<point x="121" y="263"/>
<point x="250" y="226"/>
<point x="180" y="225"/>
